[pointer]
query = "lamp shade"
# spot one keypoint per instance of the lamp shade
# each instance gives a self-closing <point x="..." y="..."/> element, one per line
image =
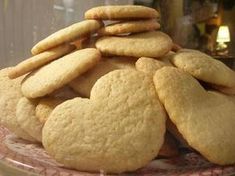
<point x="223" y="34"/>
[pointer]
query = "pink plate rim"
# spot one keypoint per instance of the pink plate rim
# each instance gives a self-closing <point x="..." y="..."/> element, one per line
<point x="31" y="159"/>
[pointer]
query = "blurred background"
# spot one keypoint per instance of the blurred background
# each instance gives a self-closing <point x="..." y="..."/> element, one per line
<point x="207" y="25"/>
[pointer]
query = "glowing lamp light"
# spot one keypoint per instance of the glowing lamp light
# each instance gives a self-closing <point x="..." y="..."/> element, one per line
<point x="223" y="36"/>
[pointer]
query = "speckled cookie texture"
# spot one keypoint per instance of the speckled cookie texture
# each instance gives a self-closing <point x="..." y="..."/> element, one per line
<point x="26" y="117"/>
<point x="147" y="44"/>
<point x="204" y="67"/>
<point x="84" y="83"/>
<point x="120" y="128"/>
<point x="59" y="72"/>
<point x="10" y="94"/>
<point x="119" y="12"/>
<point x="39" y="60"/>
<point x="129" y="27"/>
<point x="204" y="118"/>
<point x="68" y="34"/>
<point x="150" y="65"/>
<point x="45" y="106"/>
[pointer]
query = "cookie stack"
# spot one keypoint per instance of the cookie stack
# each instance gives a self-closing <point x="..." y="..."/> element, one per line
<point x="112" y="97"/>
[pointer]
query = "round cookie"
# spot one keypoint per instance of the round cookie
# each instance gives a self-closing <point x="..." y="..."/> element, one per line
<point x="120" y="128"/>
<point x="45" y="107"/>
<point x="204" y="118"/>
<point x="25" y="115"/>
<point x="204" y="67"/>
<point x="147" y="44"/>
<point x="47" y="104"/>
<point x="121" y="12"/>
<point x="10" y="94"/>
<point x="68" y="34"/>
<point x="84" y="83"/>
<point x="39" y="60"/>
<point x="58" y="73"/>
<point x="150" y="65"/>
<point x="129" y="27"/>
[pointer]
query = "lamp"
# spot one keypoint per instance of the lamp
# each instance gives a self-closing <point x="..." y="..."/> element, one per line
<point x="222" y="37"/>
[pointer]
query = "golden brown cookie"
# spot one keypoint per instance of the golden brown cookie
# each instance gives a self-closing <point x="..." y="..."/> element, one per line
<point x="10" y="94"/>
<point x="129" y="27"/>
<point x="59" y="72"/>
<point x="45" y="107"/>
<point x="121" y="12"/>
<point x="147" y="44"/>
<point x="47" y="104"/>
<point x="26" y="117"/>
<point x="68" y="34"/>
<point x="150" y="66"/>
<point x="84" y="83"/>
<point x="123" y="119"/>
<point x="39" y="60"/>
<point x="204" y="118"/>
<point x="204" y="67"/>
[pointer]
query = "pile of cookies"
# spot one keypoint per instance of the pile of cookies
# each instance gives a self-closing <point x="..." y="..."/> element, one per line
<point x="113" y="97"/>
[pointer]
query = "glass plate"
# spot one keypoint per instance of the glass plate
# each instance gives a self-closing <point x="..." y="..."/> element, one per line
<point x="18" y="157"/>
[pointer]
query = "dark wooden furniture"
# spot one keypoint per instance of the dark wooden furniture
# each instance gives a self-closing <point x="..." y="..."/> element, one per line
<point x="228" y="60"/>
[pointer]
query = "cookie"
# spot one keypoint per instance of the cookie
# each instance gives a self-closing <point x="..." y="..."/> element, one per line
<point x="10" y="94"/>
<point x="26" y="117"/>
<point x="58" y="73"/>
<point x="45" y="107"/>
<point x="47" y="104"/>
<point x="68" y="34"/>
<point x="150" y="65"/>
<point x="147" y="44"/>
<point x="204" y="67"/>
<point x="121" y="12"/>
<point x="120" y="128"/>
<point x="39" y="60"/>
<point x="84" y="83"/>
<point x="204" y="118"/>
<point x="129" y="27"/>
